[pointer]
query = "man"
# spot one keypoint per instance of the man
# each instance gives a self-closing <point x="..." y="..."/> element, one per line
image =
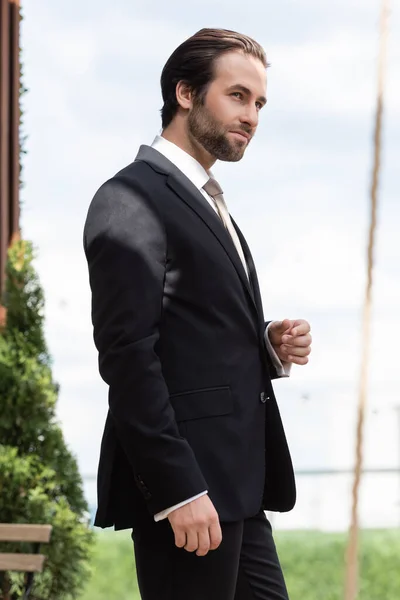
<point x="193" y="450"/>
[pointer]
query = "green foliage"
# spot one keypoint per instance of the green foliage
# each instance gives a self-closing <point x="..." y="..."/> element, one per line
<point x="313" y="563"/>
<point x="39" y="477"/>
<point x="113" y="568"/>
<point x="22" y="92"/>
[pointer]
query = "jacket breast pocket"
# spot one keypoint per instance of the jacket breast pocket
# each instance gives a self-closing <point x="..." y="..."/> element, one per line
<point x="202" y="403"/>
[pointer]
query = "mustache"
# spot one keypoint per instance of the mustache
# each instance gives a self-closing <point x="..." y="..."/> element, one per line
<point x="245" y="129"/>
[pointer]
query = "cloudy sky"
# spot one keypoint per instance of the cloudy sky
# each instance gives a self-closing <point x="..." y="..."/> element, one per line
<point x="300" y="196"/>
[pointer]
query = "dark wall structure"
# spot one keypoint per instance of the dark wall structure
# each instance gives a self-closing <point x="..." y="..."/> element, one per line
<point x="9" y="129"/>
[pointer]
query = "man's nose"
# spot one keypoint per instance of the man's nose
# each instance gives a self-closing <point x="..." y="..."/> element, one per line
<point x="250" y="116"/>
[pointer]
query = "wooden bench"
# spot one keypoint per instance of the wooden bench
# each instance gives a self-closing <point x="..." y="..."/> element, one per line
<point x="27" y="563"/>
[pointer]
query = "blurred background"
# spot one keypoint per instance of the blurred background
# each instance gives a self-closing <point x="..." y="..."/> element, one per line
<point x="300" y="196"/>
<point x="92" y="70"/>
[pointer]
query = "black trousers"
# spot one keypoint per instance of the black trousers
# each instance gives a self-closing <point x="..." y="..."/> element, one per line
<point x="244" y="567"/>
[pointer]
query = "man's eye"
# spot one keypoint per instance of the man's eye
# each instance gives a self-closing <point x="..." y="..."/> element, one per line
<point x="238" y="94"/>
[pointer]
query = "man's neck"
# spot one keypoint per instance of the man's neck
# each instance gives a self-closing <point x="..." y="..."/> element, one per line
<point x="190" y="147"/>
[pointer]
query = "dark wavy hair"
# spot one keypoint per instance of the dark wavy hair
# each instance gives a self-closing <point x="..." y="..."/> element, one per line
<point x="193" y="62"/>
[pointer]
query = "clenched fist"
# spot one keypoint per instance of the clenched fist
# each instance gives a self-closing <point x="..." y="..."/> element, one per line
<point x="196" y="526"/>
<point x="291" y="340"/>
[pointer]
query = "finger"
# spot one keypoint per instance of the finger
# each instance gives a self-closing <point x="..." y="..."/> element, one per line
<point x="296" y="351"/>
<point x="297" y="360"/>
<point x="300" y="327"/>
<point x="192" y="540"/>
<point x="298" y="348"/>
<point x="204" y="542"/>
<point x="282" y="326"/>
<point x="215" y="535"/>
<point x="277" y="329"/>
<point x="301" y="340"/>
<point x="287" y="325"/>
<point x="180" y="537"/>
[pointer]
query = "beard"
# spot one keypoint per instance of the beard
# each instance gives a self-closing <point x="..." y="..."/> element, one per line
<point x="210" y="133"/>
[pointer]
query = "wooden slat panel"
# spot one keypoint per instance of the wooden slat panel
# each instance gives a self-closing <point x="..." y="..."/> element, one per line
<point x="24" y="533"/>
<point x="22" y="562"/>
<point x="4" y="134"/>
<point x="14" y="119"/>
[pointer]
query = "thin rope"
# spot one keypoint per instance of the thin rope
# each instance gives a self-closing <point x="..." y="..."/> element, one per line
<point x="352" y="566"/>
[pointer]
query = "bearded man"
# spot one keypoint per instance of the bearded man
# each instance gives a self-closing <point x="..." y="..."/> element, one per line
<point x="193" y="450"/>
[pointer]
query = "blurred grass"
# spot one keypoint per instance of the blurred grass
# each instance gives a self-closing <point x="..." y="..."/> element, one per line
<point x="313" y="563"/>
<point x="113" y="567"/>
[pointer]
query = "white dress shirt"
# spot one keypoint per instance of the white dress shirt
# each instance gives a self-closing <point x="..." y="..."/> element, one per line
<point x="199" y="177"/>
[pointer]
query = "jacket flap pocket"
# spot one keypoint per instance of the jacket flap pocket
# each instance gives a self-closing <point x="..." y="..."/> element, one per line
<point x="198" y="404"/>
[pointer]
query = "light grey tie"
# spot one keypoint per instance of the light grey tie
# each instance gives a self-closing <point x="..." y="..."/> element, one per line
<point x="214" y="190"/>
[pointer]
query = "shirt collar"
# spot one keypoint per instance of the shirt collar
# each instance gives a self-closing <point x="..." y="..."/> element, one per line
<point x="181" y="159"/>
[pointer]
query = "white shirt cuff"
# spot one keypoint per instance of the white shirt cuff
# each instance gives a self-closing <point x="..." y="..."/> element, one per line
<point x="283" y="368"/>
<point x="164" y="514"/>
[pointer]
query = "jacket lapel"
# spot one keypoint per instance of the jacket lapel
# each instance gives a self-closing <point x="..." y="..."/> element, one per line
<point x="193" y="198"/>
<point x="253" y="276"/>
<point x="188" y="192"/>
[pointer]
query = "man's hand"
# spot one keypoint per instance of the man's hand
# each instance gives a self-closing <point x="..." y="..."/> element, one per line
<point x="196" y="526"/>
<point x="291" y="340"/>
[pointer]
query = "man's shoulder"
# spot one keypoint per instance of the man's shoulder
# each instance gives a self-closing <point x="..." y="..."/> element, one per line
<point x="136" y="179"/>
<point x="120" y="204"/>
<point x="137" y="171"/>
<point x="136" y="188"/>
<point x="129" y="189"/>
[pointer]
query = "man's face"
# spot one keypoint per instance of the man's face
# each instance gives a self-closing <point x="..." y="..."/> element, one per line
<point x="226" y="120"/>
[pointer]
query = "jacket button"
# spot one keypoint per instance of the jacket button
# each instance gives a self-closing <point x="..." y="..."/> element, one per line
<point x="263" y="397"/>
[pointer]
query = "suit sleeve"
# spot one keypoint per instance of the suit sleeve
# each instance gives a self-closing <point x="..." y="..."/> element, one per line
<point x="282" y="368"/>
<point x="277" y="369"/>
<point x="125" y="244"/>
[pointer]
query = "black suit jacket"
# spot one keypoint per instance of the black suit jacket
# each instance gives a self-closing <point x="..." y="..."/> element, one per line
<point x="180" y="335"/>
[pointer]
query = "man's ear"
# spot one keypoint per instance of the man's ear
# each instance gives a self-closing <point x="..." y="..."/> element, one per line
<point x="184" y="95"/>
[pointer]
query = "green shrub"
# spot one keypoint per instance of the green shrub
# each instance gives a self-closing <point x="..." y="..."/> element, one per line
<point x="39" y="478"/>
